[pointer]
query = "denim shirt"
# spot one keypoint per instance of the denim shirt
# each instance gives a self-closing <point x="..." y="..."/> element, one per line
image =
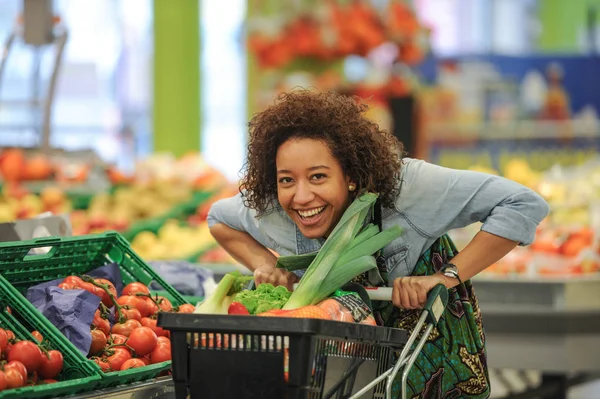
<point x="432" y="200"/>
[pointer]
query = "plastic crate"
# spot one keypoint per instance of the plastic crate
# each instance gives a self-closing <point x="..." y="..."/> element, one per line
<point x="217" y="356"/>
<point x="77" y="376"/>
<point x="77" y="256"/>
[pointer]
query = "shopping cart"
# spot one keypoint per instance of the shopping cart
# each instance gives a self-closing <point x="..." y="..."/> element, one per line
<point x="226" y="356"/>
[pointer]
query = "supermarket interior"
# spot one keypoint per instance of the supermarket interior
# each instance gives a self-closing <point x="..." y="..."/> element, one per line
<point x="123" y="121"/>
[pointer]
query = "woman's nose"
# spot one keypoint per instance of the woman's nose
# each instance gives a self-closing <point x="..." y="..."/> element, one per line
<point x="303" y="194"/>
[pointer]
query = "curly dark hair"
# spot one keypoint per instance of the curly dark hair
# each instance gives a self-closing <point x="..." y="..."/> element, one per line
<point x="369" y="155"/>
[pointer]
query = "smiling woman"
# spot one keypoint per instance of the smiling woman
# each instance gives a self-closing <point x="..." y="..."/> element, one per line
<point x="309" y="156"/>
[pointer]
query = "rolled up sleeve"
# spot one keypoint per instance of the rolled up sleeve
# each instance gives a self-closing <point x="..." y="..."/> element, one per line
<point x="437" y="199"/>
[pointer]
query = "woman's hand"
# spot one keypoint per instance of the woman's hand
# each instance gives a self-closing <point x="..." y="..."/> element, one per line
<point x="411" y="292"/>
<point x="275" y="276"/>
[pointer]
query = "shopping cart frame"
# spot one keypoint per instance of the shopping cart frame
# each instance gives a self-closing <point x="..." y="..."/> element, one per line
<point x="304" y="331"/>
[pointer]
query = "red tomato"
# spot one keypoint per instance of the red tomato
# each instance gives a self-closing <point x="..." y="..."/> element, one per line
<point x="146" y="360"/>
<point x="51" y="365"/>
<point x="134" y="288"/>
<point x="163" y="341"/>
<point x="126" y="328"/>
<point x="27" y="353"/>
<point x="38" y="337"/>
<point x="106" y="300"/>
<point x="74" y="280"/>
<point x="98" y="342"/>
<point x="100" y="323"/>
<point x="133" y="314"/>
<point x="117" y="359"/>
<point x="66" y="286"/>
<point x="164" y="304"/>
<point x="142" y="340"/>
<point x="132" y="364"/>
<point x="20" y="367"/>
<point x="151" y="323"/>
<point x="118" y="339"/>
<point x="48" y="381"/>
<point x="237" y="308"/>
<point x="132" y="302"/>
<point x="6" y="351"/>
<point x="3" y="383"/>
<point x="14" y="379"/>
<point x="10" y="334"/>
<point x="3" y="339"/>
<point x="187" y="308"/>
<point x="152" y="308"/>
<point x="104" y="366"/>
<point x="161" y="353"/>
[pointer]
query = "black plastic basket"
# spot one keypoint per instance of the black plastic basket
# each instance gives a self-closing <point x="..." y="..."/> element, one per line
<point x="216" y="356"/>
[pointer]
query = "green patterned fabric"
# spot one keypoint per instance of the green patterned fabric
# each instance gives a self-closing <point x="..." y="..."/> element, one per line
<point x="452" y="364"/>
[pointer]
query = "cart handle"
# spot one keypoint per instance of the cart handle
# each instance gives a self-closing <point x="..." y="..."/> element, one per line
<point x="437" y="299"/>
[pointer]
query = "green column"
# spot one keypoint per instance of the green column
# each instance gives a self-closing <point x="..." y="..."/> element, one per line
<point x="176" y="76"/>
<point x="562" y="22"/>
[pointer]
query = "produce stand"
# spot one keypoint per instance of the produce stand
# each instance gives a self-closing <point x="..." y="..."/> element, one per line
<point x="551" y="325"/>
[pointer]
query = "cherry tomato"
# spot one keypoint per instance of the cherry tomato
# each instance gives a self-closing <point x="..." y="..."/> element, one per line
<point x="27" y="353"/>
<point x="20" y="367"/>
<point x="126" y="328"/>
<point x="3" y="383"/>
<point x="117" y="359"/>
<point x="132" y="364"/>
<point x="51" y="365"/>
<point x="164" y="304"/>
<point x="104" y="366"/>
<point x="142" y="340"/>
<point x="38" y="337"/>
<point x="3" y="339"/>
<point x="187" y="308"/>
<point x="161" y="353"/>
<point x="14" y="379"/>
<point x="98" y="341"/>
<point x="151" y="323"/>
<point x="134" y="288"/>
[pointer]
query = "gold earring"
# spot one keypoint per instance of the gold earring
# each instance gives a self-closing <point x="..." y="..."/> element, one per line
<point x="351" y="187"/>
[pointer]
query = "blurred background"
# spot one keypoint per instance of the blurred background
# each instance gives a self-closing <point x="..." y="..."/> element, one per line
<point x="131" y="115"/>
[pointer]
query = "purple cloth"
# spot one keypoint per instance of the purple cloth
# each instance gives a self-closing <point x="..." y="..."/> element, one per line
<point x="72" y="311"/>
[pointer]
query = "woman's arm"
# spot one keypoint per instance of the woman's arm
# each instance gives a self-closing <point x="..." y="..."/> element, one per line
<point x="484" y="250"/>
<point x="242" y="247"/>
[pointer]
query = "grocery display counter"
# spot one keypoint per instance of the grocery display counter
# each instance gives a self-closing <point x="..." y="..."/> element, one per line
<point x="551" y="325"/>
<point x="160" y="388"/>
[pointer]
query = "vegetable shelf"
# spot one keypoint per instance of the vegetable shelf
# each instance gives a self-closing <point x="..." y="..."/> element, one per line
<point x="77" y="256"/>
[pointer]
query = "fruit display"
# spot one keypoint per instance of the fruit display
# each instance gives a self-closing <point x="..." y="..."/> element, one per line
<point x="174" y="240"/>
<point x="567" y="241"/>
<point x="129" y="204"/>
<point x="17" y="203"/>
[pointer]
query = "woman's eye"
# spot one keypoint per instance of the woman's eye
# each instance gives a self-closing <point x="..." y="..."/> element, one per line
<point x="285" y="180"/>
<point x="318" y="176"/>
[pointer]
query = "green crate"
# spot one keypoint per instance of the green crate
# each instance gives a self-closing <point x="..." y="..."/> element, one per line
<point x="77" y="256"/>
<point x="178" y="212"/>
<point x="78" y="375"/>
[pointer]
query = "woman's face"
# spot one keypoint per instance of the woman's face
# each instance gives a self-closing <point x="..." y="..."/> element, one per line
<point x="311" y="186"/>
